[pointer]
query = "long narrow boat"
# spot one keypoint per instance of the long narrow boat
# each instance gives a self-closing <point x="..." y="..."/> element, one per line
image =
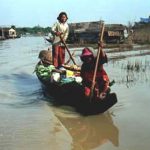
<point x="48" y="40"/>
<point x="72" y="94"/>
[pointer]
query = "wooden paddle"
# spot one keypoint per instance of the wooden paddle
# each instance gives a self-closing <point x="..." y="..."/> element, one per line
<point x="97" y="61"/>
<point x="67" y="62"/>
<point x="67" y="49"/>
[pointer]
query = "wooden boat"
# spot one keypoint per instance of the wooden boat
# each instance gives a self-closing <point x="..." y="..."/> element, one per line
<point x="48" y="40"/>
<point x="72" y="94"/>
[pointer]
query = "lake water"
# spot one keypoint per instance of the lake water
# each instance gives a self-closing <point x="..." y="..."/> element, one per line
<point x="28" y="121"/>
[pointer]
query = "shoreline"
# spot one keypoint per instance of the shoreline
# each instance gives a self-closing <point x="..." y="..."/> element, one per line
<point x="120" y="47"/>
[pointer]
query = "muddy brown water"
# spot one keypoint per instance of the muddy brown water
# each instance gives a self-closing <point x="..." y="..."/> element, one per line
<point x="30" y="122"/>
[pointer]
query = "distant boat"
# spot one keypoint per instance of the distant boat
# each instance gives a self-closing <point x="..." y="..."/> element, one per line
<point x="48" y="39"/>
<point x="14" y="37"/>
<point x="2" y="38"/>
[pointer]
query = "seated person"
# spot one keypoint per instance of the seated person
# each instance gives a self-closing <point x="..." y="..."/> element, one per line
<point x="45" y="70"/>
<point x="87" y="72"/>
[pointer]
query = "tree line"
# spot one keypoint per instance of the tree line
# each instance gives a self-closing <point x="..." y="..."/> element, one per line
<point x="32" y="30"/>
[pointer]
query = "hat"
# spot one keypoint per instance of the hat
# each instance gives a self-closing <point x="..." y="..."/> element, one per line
<point x="86" y="52"/>
<point x="46" y="56"/>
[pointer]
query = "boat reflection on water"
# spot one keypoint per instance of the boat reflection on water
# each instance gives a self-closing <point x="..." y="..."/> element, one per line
<point x="90" y="132"/>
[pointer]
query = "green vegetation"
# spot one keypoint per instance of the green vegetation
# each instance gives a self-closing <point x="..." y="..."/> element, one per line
<point x="140" y="34"/>
<point x="37" y="30"/>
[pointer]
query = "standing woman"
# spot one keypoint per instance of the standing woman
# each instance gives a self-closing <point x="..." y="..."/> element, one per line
<point x="60" y="28"/>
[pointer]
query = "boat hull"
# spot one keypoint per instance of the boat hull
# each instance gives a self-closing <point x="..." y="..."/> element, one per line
<point x="72" y="94"/>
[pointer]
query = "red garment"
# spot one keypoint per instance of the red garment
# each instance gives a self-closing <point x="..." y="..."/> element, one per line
<point x="58" y="55"/>
<point x="102" y="80"/>
<point x="88" y="76"/>
<point x="87" y="91"/>
<point x="101" y="76"/>
<point x="101" y="85"/>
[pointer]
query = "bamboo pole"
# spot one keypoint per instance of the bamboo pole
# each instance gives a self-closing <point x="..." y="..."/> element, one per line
<point x="68" y="50"/>
<point x="97" y="61"/>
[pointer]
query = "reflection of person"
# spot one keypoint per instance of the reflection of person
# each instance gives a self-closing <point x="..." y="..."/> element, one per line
<point x="60" y="28"/>
<point x="90" y="132"/>
<point x="87" y="72"/>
